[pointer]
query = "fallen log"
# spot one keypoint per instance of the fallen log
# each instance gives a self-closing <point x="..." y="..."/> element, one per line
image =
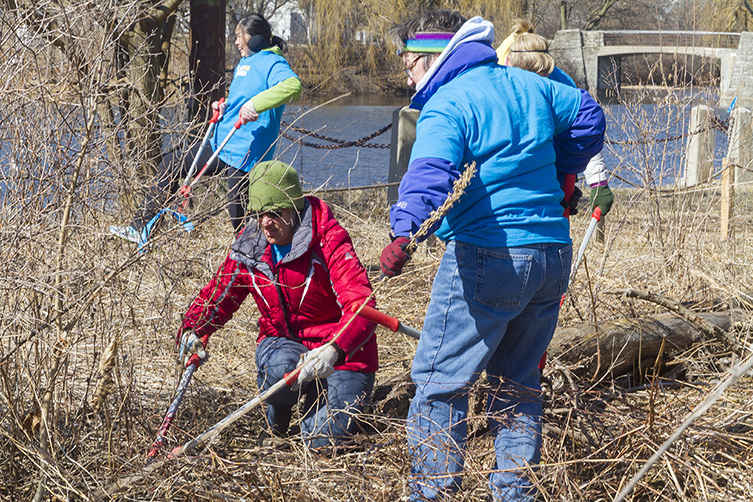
<point x="620" y="346"/>
<point x="612" y="348"/>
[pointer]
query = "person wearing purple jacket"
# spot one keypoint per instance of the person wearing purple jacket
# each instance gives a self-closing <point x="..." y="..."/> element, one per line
<point x="495" y="298"/>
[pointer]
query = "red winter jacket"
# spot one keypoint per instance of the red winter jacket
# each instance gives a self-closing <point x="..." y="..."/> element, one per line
<point x="306" y="297"/>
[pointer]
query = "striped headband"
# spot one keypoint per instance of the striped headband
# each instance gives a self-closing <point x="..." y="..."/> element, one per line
<point x="428" y="42"/>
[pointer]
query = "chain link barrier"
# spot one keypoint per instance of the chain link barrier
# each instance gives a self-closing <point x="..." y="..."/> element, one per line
<point x="715" y="123"/>
<point x="338" y="143"/>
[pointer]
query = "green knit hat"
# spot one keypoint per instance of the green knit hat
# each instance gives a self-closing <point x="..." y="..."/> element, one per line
<point x="274" y="185"/>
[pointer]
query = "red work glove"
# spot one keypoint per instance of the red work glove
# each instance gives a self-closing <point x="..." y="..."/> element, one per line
<point x="394" y="257"/>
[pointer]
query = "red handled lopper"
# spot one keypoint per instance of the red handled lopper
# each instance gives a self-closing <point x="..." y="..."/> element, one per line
<point x="193" y="363"/>
<point x="383" y="319"/>
<point x="216" y="116"/>
<point x="185" y="190"/>
<point x="288" y="380"/>
<point x="595" y="217"/>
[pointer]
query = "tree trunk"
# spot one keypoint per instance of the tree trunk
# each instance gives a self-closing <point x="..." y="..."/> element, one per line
<point x="207" y="55"/>
<point x="619" y="347"/>
<point x="141" y="112"/>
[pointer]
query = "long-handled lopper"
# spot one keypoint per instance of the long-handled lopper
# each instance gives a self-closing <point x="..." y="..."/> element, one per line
<point x="289" y="379"/>
<point x="595" y="217"/>
<point x="286" y="381"/>
<point x="383" y="319"/>
<point x="193" y="363"/>
<point x="185" y="190"/>
<point x="216" y="116"/>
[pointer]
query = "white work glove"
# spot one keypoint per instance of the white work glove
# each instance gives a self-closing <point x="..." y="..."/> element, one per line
<point x="188" y="345"/>
<point x="317" y="363"/>
<point x="248" y="113"/>
<point x="216" y="105"/>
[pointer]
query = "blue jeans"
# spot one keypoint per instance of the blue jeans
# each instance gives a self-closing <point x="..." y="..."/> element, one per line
<point x="492" y="309"/>
<point x="331" y="406"/>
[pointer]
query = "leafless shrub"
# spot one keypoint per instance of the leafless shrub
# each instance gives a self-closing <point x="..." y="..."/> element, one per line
<point x="70" y="291"/>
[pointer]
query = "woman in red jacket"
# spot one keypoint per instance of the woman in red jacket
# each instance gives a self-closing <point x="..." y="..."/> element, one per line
<point x="299" y="264"/>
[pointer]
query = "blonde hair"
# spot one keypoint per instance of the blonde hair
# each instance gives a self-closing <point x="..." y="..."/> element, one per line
<point x="530" y="52"/>
<point x="519" y="27"/>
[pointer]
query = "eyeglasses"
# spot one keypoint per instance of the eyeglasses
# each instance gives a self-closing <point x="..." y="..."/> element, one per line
<point x="409" y="69"/>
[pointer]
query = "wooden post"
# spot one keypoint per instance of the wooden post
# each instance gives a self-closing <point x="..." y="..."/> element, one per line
<point x="728" y="197"/>
<point x="403" y="135"/>
<point x="740" y="149"/>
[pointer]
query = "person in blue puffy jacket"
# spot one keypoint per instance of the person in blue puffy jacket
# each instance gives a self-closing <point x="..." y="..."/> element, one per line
<point x="496" y="293"/>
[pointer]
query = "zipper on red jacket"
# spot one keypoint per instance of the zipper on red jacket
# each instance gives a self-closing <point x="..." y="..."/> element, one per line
<point x="284" y="307"/>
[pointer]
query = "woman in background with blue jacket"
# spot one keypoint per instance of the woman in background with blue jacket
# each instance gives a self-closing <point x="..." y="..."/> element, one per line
<point x="263" y="83"/>
<point x="524" y="49"/>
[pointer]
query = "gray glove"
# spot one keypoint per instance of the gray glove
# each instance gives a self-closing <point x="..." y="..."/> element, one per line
<point x="248" y="113"/>
<point x="219" y="105"/>
<point x="317" y="363"/>
<point x="188" y="345"/>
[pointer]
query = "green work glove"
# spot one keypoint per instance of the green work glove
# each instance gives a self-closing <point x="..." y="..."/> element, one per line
<point x="602" y="197"/>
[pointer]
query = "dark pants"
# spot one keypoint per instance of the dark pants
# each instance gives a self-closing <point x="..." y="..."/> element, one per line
<point x="172" y="172"/>
<point x="330" y="407"/>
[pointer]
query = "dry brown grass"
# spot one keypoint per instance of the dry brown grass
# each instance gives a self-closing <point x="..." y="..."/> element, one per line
<point x="598" y="432"/>
<point x="68" y="290"/>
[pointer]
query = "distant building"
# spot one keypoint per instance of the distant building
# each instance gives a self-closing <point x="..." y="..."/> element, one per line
<point x="289" y="24"/>
<point x="365" y="37"/>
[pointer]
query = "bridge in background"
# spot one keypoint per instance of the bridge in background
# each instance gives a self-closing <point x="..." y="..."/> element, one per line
<point x="594" y="58"/>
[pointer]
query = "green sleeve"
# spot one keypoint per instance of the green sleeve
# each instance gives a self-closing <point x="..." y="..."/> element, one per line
<point x="279" y="94"/>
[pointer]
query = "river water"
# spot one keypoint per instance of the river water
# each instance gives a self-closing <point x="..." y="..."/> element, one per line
<point x="645" y="141"/>
<point x="346" y="119"/>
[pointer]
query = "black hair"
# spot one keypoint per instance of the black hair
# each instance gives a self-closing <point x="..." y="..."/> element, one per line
<point x="261" y="33"/>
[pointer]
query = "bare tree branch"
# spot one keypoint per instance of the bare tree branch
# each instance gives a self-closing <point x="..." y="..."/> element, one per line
<point x="597" y="15"/>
